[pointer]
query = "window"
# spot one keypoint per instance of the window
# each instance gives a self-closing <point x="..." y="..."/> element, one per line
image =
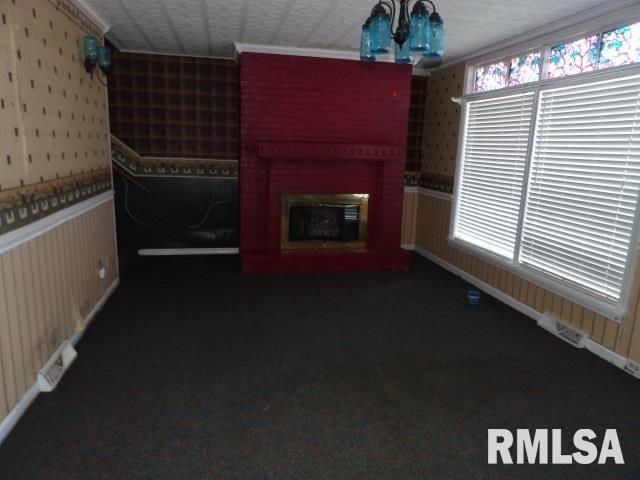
<point x="515" y="71"/>
<point x="491" y="77"/>
<point x="548" y="184"/>
<point x="579" y="56"/>
<point x="524" y="69"/>
<point x="495" y="151"/>
<point x="620" y="47"/>
<point x="595" y="52"/>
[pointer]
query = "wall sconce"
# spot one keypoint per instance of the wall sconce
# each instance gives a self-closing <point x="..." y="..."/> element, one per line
<point x="94" y="54"/>
<point x="90" y="48"/>
<point x="104" y="59"/>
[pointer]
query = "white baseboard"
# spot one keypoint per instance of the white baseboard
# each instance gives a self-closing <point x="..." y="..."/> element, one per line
<point x="594" y="347"/>
<point x="157" y="252"/>
<point x="606" y="354"/>
<point x="10" y="421"/>
<point x="429" y="192"/>
<point x="18" y="411"/>
<point x="94" y="311"/>
<point x="485" y="287"/>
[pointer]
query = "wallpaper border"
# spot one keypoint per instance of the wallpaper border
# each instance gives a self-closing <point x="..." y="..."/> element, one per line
<point x="126" y="158"/>
<point x="24" y="205"/>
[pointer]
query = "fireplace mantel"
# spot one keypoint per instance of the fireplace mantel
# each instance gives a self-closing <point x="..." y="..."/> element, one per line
<point x="328" y="151"/>
<point x="321" y="127"/>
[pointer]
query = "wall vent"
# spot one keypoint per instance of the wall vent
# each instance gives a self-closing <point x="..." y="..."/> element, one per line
<point x="566" y="332"/>
<point x="633" y="368"/>
<point x="55" y="367"/>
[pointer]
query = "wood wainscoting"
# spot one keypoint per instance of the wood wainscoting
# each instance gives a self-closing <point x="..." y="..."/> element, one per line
<point x="426" y="228"/>
<point x="49" y="288"/>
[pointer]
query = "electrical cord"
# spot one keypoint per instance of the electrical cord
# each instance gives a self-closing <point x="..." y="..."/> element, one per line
<point x="164" y="222"/>
<point x="133" y="217"/>
<point x="206" y="216"/>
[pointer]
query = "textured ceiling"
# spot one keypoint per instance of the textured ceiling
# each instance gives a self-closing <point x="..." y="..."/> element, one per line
<point x="210" y="27"/>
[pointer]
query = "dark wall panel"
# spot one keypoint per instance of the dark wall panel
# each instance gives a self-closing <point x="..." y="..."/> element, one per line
<point x="178" y="213"/>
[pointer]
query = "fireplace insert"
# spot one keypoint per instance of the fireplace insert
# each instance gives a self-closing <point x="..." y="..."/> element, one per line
<point x="324" y="221"/>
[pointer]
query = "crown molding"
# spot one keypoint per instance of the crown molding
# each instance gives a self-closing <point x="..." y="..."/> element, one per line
<point x="607" y="15"/>
<point x="240" y="48"/>
<point x="93" y="15"/>
<point x="163" y="54"/>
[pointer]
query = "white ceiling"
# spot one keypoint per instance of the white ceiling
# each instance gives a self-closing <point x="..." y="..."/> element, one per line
<point x="210" y="27"/>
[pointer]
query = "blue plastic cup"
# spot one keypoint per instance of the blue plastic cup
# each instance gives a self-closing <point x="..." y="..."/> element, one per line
<point x="473" y="298"/>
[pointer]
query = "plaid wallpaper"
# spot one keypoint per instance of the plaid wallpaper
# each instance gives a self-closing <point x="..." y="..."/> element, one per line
<point x="171" y="106"/>
<point x="416" y="123"/>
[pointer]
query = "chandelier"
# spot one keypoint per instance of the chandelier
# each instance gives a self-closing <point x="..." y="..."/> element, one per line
<point x="421" y="33"/>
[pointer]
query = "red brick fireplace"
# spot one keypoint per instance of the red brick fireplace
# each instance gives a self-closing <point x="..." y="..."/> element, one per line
<point x="316" y="127"/>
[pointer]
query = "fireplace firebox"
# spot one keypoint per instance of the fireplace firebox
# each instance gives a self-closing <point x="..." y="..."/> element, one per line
<point x="324" y="221"/>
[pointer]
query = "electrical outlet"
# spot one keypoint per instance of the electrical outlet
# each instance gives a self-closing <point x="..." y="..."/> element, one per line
<point x="102" y="271"/>
<point x="633" y="368"/>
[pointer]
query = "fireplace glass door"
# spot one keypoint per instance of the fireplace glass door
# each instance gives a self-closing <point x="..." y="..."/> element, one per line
<point x="324" y="221"/>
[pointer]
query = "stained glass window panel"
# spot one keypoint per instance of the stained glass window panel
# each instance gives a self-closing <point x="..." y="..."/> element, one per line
<point x="620" y="47"/>
<point x="491" y="77"/>
<point x="574" y="57"/>
<point x="524" y="69"/>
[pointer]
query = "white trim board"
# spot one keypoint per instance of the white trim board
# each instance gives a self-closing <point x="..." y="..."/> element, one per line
<point x="429" y="192"/>
<point x="590" y="345"/>
<point x="485" y="287"/>
<point x="17" y="237"/>
<point x="94" y="311"/>
<point x="93" y="15"/>
<point x="203" y="177"/>
<point x="173" y="54"/>
<point x="605" y="15"/>
<point x="240" y="48"/>
<point x="163" y="252"/>
<point x="10" y="421"/>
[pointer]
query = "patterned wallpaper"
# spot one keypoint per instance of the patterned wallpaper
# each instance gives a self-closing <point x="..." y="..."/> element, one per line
<point x="416" y="122"/>
<point x="53" y="116"/>
<point x="172" y="106"/>
<point x="441" y="123"/>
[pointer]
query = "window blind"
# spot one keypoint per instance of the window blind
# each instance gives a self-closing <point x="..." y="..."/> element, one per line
<point x="583" y="185"/>
<point x="496" y="138"/>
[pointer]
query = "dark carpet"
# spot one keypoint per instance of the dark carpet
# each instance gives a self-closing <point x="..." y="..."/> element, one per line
<point x="194" y="371"/>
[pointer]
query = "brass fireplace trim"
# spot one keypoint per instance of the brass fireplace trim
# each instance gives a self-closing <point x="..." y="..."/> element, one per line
<point x="290" y="200"/>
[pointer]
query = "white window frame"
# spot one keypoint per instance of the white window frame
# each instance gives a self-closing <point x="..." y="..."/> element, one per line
<point x="560" y="287"/>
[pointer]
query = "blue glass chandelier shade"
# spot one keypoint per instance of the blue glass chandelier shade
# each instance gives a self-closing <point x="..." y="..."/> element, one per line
<point x="420" y="33"/>
<point x="366" y="53"/>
